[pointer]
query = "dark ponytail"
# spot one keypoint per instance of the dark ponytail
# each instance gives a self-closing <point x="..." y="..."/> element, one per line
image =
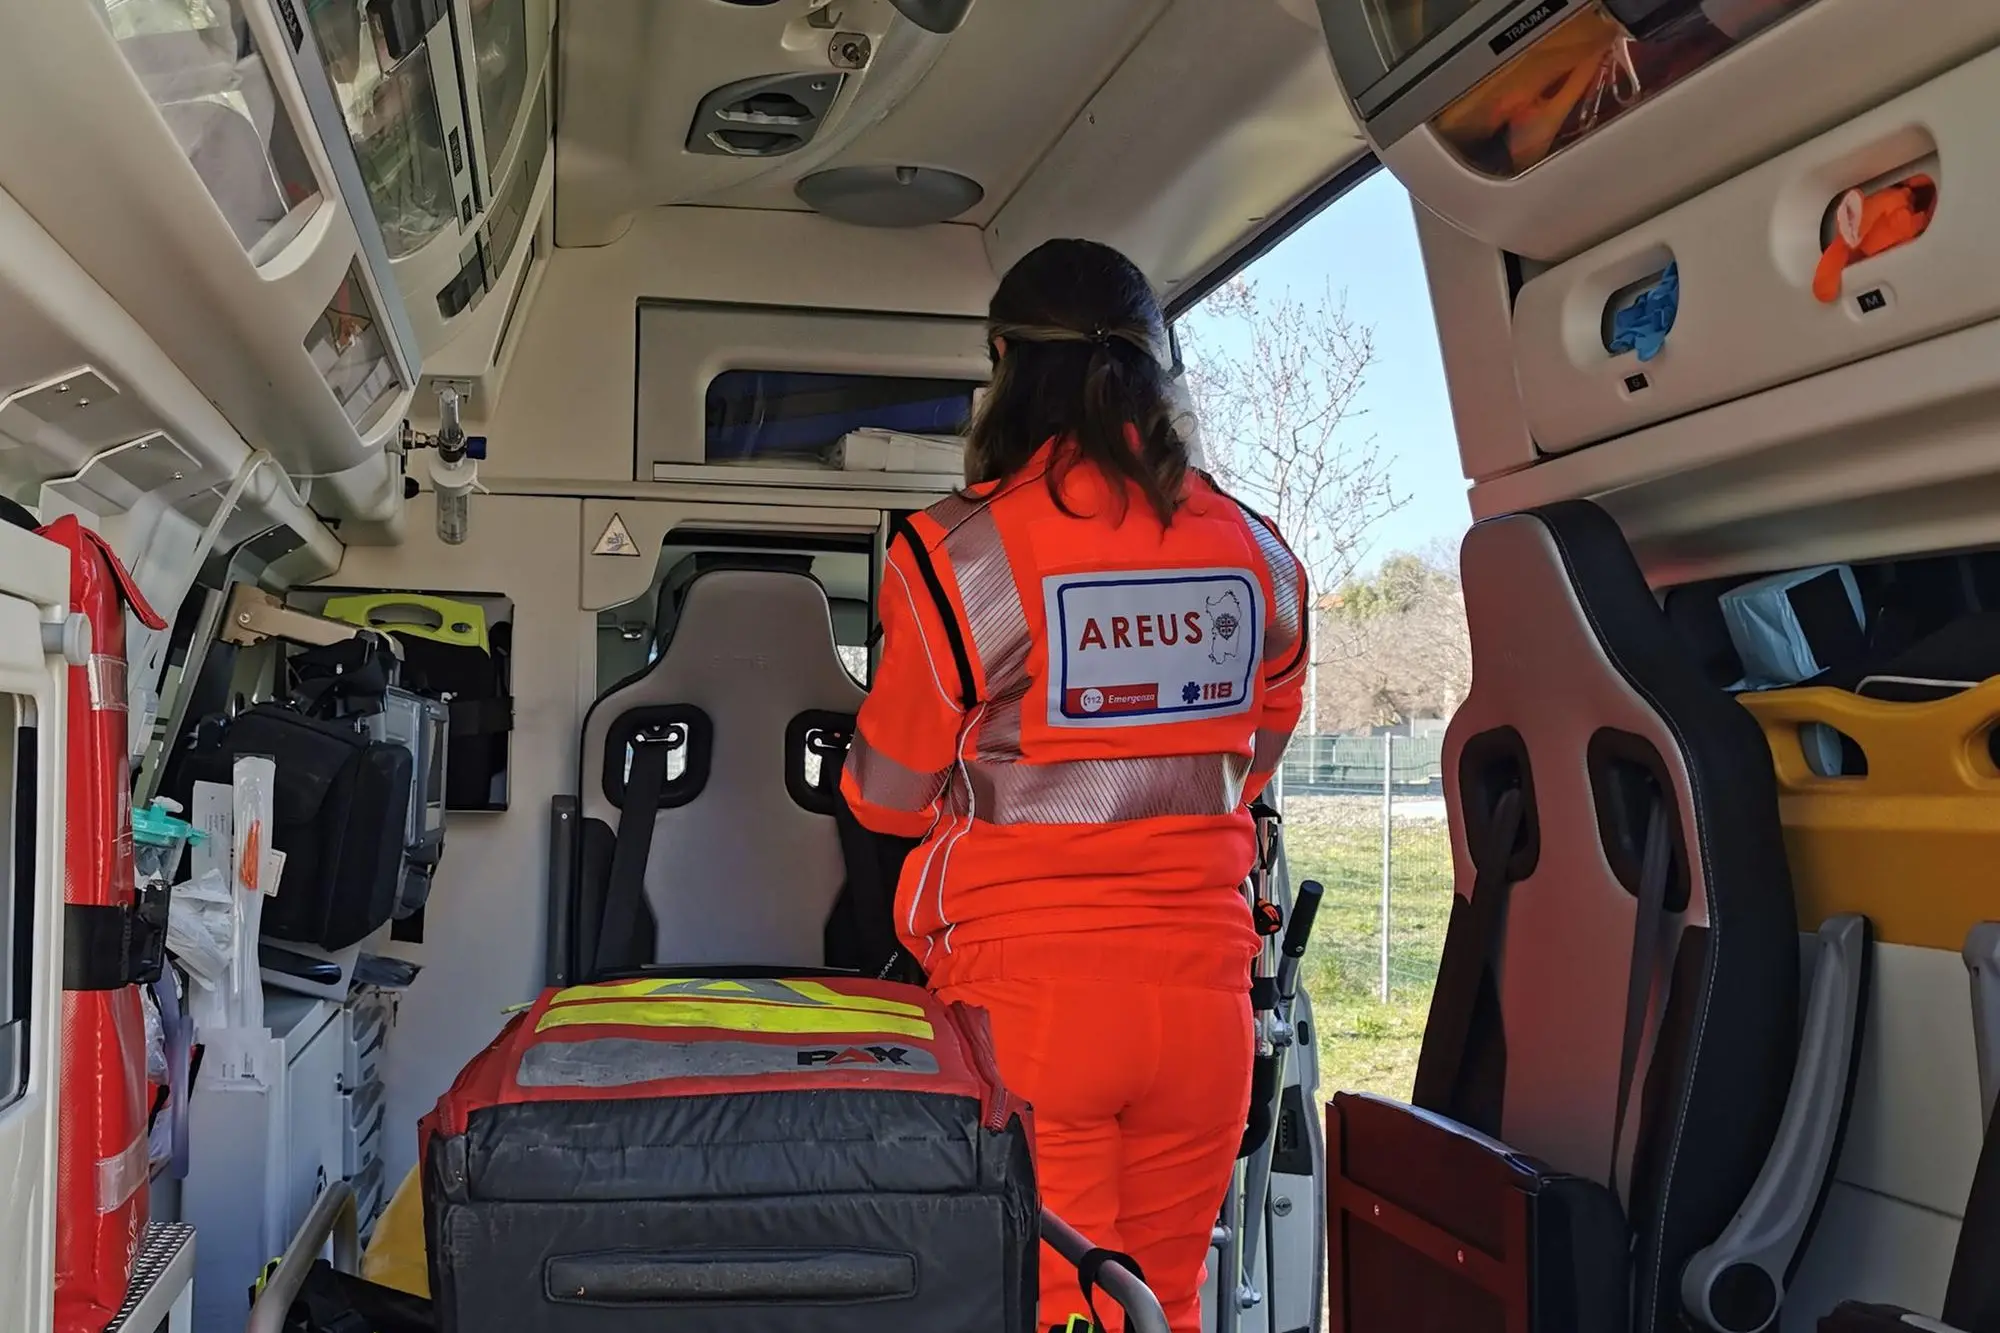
<point x="1084" y="363"/>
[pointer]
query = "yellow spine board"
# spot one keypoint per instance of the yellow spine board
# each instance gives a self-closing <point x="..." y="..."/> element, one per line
<point x="1913" y="843"/>
<point x="461" y="623"/>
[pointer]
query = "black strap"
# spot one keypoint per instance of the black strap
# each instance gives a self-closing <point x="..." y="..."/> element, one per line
<point x="874" y="862"/>
<point x="349" y="678"/>
<point x="1654" y="864"/>
<point x="1265" y="1072"/>
<point x="1090" y="1272"/>
<point x="968" y="694"/>
<point x="626" y="888"/>
<point x="1264" y="994"/>
<point x="1468" y="960"/>
<point x="110" y="948"/>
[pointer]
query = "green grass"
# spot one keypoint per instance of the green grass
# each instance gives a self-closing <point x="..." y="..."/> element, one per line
<point x="1366" y="1044"/>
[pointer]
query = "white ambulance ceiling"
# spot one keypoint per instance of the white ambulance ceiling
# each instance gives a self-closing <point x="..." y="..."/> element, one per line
<point x="1173" y="128"/>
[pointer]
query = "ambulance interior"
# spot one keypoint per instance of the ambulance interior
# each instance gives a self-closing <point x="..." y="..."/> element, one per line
<point x="596" y="347"/>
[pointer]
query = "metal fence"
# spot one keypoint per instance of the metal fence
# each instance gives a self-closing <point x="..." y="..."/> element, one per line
<point x="1353" y="765"/>
<point x="1365" y="816"/>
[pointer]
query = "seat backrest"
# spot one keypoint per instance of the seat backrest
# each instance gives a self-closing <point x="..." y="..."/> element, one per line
<point x="745" y="863"/>
<point x="1584" y="699"/>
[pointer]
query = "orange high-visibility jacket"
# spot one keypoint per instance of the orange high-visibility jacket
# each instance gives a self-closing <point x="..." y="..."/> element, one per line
<point x="1132" y="688"/>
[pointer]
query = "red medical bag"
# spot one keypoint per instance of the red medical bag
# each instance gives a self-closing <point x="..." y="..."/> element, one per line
<point x="733" y="1155"/>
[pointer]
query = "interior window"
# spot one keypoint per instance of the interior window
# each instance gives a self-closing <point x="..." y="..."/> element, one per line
<point x="17" y="895"/>
<point x="631" y="635"/>
<point x="794" y="417"/>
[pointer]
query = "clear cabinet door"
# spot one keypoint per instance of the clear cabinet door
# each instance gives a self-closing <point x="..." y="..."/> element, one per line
<point x="383" y="83"/>
<point x="1401" y="26"/>
<point x="199" y="62"/>
<point x="500" y="67"/>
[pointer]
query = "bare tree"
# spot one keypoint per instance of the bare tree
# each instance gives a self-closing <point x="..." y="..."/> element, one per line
<point x="1395" y="645"/>
<point x="1275" y="383"/>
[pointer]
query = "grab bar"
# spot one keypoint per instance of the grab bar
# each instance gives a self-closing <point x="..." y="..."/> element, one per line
<point x="1142" y="1308"/>
<point x="335" y="1215"/>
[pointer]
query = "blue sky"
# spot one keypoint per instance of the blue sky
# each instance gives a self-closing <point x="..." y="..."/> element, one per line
<point x="1365" y="245"/>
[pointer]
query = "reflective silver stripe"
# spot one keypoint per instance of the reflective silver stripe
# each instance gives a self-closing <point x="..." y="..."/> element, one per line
<point x="953" y="510"/>
<point x="887" y="783"/>
<point x="1270" y="750"/>
<point x="1281" y="636"/>
<point x="1107" y="791"/>
<point x="619" y="1062"/>
<point x="999" y="626"/>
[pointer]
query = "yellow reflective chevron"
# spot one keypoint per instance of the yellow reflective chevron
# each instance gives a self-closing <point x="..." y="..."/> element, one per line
<point x="798" y="994"/>
<point x="731" y="1015"/>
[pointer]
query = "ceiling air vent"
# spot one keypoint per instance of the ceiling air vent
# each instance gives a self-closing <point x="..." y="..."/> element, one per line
<point x="889" y="196"/>
<point x="763" y="117"/>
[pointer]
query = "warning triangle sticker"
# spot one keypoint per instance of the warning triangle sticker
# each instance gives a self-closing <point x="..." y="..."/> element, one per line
<point x="617" y="540"/>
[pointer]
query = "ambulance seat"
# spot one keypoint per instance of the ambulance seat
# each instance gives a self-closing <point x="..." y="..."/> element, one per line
<point x="1608" y="1073"/>
<point x="744" y="863"/>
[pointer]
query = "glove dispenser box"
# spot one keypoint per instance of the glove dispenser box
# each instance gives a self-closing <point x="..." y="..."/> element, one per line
<point x="1739" y="314"/>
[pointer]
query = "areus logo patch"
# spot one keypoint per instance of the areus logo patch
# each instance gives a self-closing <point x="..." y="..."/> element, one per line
<point x="1128" y="649"/>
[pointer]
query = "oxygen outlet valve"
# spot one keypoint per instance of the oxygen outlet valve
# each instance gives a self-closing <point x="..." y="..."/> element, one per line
<point x="454" y="466"/>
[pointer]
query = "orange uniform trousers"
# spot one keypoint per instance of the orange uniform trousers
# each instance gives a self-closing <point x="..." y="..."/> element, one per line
<point x="1135" y="1049"/>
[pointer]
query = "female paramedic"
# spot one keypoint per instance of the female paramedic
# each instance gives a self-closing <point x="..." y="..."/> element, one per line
<point x="1092" y="661"/>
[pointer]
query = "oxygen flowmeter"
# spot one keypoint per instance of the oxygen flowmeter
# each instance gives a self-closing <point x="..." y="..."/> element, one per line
<point x="454" y="466"/>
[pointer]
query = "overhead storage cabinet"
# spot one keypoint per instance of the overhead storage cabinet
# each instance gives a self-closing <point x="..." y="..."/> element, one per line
<point x="301" y="200"/>
<point x="1744" y="255"/>
<point x="444" y="107"/>
<point x="1544" y="126"/>
<point x="165" y="145"/>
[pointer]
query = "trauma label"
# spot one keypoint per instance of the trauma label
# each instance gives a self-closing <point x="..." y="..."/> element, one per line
<point x="1141" y="647"/>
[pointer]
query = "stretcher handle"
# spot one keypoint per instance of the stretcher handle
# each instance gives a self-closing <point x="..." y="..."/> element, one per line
<point x="1298" y="933"/>
<point x="1142" y="1308"/>
<point x="1299" y="929"/>
<point x="335" y="1215"/>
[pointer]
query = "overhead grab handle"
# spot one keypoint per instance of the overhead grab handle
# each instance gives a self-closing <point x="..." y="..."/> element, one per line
<point x="1737" y="1284"/>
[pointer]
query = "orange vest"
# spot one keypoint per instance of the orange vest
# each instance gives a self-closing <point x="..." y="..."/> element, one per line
<point x="1077" y="745"/>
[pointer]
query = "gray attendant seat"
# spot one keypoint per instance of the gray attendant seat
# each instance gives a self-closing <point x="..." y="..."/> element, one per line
<point x="744" y="862"/>
<point x="1620" y="1122"/>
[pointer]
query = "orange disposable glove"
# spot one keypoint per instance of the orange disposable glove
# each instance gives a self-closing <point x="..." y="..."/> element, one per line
<point x="1867" y="225"/>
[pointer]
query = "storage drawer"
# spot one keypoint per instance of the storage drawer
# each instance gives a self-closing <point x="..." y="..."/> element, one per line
<point x="361" y="1135"/>
<point x="367" y="1034"/>
<point x="368" y="1195"/>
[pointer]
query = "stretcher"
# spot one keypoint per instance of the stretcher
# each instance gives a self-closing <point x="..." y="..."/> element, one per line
<point x="335" y="1222"/>
<point x="1284" y="917"/>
